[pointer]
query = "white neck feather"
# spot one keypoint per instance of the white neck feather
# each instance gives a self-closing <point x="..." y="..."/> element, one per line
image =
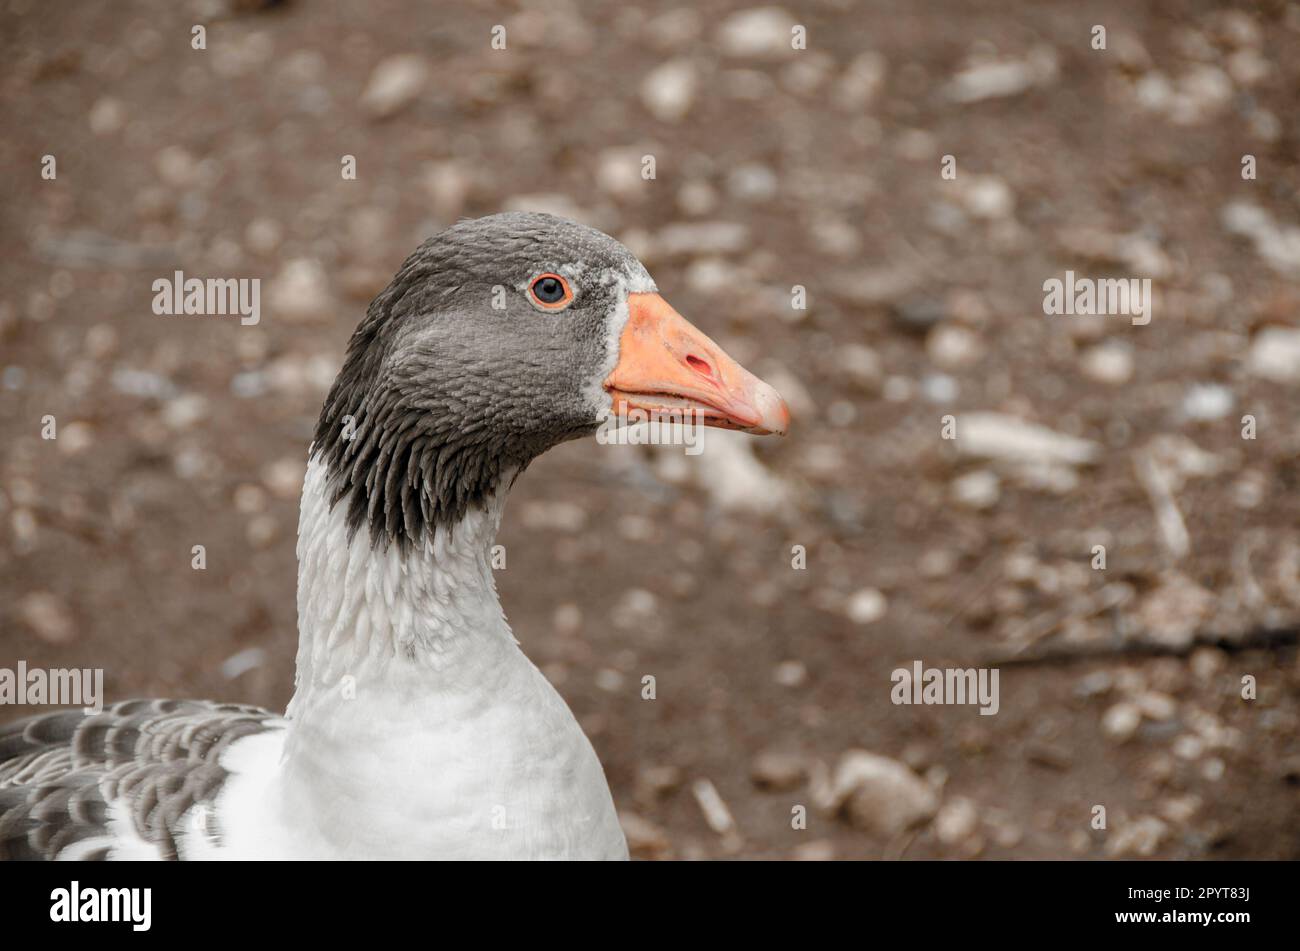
<point x="377" y="614"/>
<point x="418" y="728"/>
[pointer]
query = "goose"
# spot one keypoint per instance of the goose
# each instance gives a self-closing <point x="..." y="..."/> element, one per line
<point x="418" y="728"/>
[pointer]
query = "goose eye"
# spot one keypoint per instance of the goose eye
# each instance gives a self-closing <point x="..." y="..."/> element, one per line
<point x="550" y="291"/>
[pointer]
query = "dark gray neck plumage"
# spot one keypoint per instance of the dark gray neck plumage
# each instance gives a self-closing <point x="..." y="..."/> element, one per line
<point x="395" y="479"/>
<point x="395" y="453"/>
<point x="454" y="382"/>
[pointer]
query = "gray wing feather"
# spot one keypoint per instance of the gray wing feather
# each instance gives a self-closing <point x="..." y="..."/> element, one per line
<point x="59" y="772"/>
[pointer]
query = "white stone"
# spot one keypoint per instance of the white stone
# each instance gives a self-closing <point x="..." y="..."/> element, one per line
<point x="1121" y="721"/>
<point x="880" y="794"/>
<point x="758" y="32"/>
<point x="866" y="606"/>
<point x="704" y="237"/>
<point x="977" y="490"/>
<point x="299" y="292"/>
<point x="1003" y="437"/>
<point x="950" y="346"/>
<point x="861" y="82"/>
<point x="618" y="174"/>
<point x="668" y="90"/>
<point x="1207" y="402"/>
<point x="1110" y="363"/>
<point x="394" y="84"/>
<point x="752" y="182"/>
<point x="995" y="79"/>
<point x="1139" y="837"/>
<point x="1275" y="355"/>
<point x="956" y="821"/>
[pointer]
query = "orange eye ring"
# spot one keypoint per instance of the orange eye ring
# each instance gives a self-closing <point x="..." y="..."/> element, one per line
<point x="542" y="291"/>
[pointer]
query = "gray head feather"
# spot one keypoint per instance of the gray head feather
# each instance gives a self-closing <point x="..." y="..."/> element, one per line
<point x="454" y="381"/>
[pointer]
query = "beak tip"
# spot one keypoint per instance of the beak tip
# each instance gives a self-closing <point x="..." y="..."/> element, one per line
<point x="774" y="414"/>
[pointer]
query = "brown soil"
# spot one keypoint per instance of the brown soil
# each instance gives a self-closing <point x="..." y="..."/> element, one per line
<point x="179" y="432"/>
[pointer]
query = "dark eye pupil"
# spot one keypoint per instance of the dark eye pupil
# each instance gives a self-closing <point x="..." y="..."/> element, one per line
<point x="549" y="290"/>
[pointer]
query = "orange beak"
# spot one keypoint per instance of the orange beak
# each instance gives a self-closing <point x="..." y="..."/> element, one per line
<point x="669" y="370"/>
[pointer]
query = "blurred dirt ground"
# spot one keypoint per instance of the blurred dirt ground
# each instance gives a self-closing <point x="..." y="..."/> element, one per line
<point x="774" y="167"/>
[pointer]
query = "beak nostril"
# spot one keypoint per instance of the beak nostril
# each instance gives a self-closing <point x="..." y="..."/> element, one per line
<point x="699" y="366"/>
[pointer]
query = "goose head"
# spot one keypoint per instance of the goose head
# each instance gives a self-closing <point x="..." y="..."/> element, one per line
<point x="498" y="339"/>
